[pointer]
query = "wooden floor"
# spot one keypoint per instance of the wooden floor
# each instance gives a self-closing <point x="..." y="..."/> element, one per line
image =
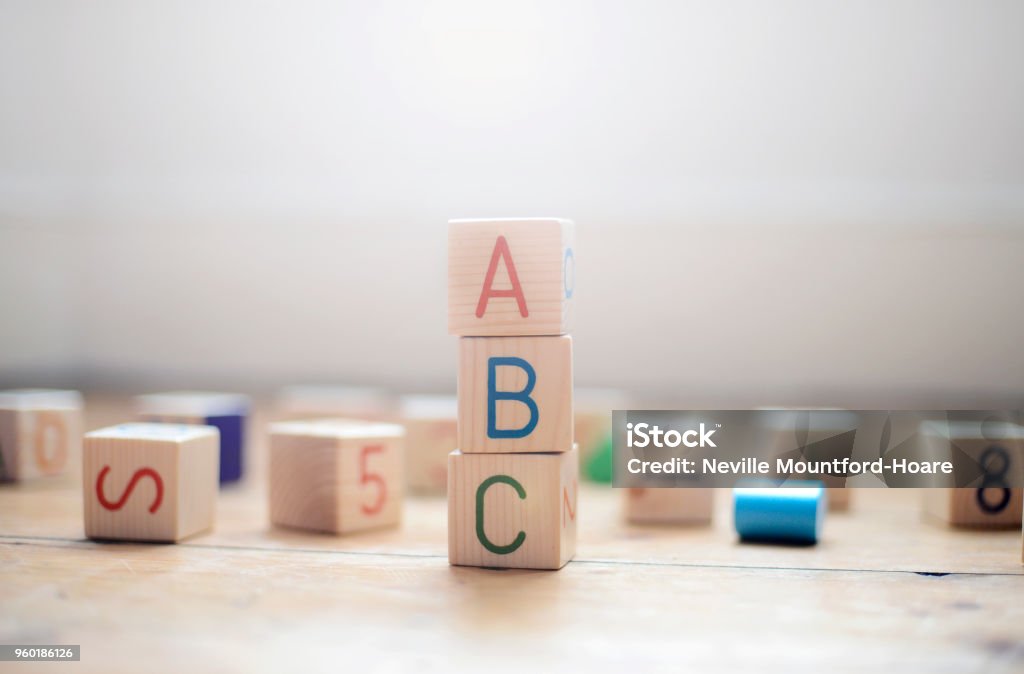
<point x="883" y="589"/>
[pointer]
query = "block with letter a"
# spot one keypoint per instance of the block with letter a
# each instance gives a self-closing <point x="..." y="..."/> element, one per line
<point x="40" y="432"/>
<point x="512" y="510"/>
<point x="150" y="482"/>
<point x="336" y="475"/>
<point x="515" y="394"/>
<point x="510" y="276"/>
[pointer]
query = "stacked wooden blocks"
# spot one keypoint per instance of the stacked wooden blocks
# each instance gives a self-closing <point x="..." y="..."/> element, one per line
<point x="40" y="432"/>
<point x="227" y="412"/>
<point x="513" y="481"/>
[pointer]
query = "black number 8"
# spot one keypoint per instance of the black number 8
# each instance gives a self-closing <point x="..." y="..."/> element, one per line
<point x="994" y="479"/>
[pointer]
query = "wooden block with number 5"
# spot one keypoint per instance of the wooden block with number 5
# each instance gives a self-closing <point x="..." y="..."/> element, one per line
<point x="336" y="475"/>
<point x="512" y="510"/>
<point x="515" y="394"/>
<point x="150" y="482"/>
<point x="40" y="432"/>
<point x="510" y="276"/>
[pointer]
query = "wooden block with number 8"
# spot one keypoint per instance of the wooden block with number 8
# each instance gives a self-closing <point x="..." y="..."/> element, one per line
<point x="512" y="510"/>
<point x="510" y="276"/>
<point x="515" y="394"/>
<point x="150" y="482"/>
<point x="996" y="448"/>
<point x="40" y="432"/>
<point x="336" y="475"/>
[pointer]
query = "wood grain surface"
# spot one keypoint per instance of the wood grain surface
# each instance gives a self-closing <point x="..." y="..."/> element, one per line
<point x="883" y="588"/>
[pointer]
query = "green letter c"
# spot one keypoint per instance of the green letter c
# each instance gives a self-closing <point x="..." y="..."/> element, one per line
<point x="480" y="533"/>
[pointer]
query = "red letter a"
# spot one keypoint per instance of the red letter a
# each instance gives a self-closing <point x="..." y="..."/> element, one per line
<point x="501" y="251"/>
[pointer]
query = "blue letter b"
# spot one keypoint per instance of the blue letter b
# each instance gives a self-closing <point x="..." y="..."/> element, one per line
<point x="493" y="396"/>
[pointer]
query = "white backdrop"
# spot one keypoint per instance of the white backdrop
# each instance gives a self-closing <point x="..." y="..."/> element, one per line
<point x="777" y="202"/>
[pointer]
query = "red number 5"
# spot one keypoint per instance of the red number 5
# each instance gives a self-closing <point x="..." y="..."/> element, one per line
<point x="366" y="477"/>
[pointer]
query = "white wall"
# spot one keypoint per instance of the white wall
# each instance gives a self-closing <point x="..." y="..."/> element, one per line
<point x="777" y="201"/>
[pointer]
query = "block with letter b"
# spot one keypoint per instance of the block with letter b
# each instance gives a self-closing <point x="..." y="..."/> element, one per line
<point x="336" y="475"/>
<point x="515" y="394"/>
<point x="150" y="482"/>
<point x="512" y="510"/>
<point x="227" y="412"/>
<point x="510" y="276"/>
<point x="40" y="432"/>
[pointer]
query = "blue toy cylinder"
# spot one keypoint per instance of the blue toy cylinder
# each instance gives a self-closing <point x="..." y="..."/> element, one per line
<point x="790" y="514"/>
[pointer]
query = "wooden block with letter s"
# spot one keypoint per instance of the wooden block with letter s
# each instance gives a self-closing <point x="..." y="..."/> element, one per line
<point x="515" y="394"/>
<point x="512" y="510"/>
<point x="669" y="505"/>
<point x="40" y="432"/>
<point x="997" y="447"/>
<point x="510" y="276"/>
<point x="336" y="475"/>
<point x="150" y="482"/>
<point x="227" y="412"/>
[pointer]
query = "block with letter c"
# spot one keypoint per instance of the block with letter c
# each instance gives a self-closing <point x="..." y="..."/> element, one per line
<point x="512" y="510"/>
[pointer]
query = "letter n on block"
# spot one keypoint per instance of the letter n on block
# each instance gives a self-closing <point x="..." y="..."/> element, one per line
<point x="150" y="482"/>
<point x="512" y="510"/>
<point x="510" y="277"/>
<point x="515" y="394"/>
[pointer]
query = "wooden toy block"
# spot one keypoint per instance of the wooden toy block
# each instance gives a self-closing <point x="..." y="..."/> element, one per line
<point x="976" y="508"/>
<point x="691" y="505"/>
<point x="225" y="411"/>
<point x="431" y="433"/>
<point x="515" y="394"/>
<point x="317" y="401"/>
<point x="40" y="432"/>
<point x="336" y="475"/>
<point x="510" y="276"/>
<point x="593" y="429"/>
<point x="997" y="448"/>
<point x="512" y="510"/>
<point x="838" y="498"/>
<point x="150" y="482"/>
